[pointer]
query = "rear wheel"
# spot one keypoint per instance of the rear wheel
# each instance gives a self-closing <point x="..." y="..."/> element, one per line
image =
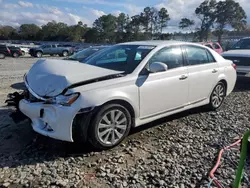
<point x="2" y="56"/>
<point x="39" y="54"/>
<point x="65" y="54"/>
<point x="15" y="55"/>
<point x="218" y="95"/>
<point x="110" y="126"/>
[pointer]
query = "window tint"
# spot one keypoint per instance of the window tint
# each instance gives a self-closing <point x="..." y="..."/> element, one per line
<point x="197" y="56"/>
<point x="216" y="46"/>
<point x="242" y="44"/>
<point x="46" y="46"/>
<point x="53" y="46"/>
<point x="171" y="56"/>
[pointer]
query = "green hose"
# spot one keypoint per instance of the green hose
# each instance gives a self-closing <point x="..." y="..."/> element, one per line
<point x="243" y="155"/>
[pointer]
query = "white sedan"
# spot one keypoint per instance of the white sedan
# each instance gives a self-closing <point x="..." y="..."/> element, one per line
<point x="124" y="86"/>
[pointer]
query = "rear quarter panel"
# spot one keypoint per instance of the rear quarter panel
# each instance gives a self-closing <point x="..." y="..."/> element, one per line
<point x="227" y="72"/>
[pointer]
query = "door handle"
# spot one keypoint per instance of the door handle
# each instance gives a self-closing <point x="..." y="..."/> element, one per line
<point x="214" y="71"/>
<point x="183" y="77"/>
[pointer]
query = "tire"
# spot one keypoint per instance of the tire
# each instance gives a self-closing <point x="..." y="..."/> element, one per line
<point x="217" y="96"/>
<point x="65" y="53"/>
<point x="15" y="55"/>
<point x="2" y="56"/>
<point x="103" y="134"/>
<point x="39" y="54"/>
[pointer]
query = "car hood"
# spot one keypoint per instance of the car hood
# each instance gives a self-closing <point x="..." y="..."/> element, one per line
<point x="48" y="78"/>
<point x="240" y="53"/>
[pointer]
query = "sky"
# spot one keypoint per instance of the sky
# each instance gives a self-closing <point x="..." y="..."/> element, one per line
<point x="16" y="12"/>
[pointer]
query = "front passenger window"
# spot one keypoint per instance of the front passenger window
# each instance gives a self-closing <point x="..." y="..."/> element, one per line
<point x="171" y="56"/>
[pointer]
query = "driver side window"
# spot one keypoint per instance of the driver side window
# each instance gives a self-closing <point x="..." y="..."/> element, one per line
<point x="171" y="56"/>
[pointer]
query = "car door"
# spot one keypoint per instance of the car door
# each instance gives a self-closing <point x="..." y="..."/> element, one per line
<point x="166" y="91"/>
<point x="203" y="72"/>
<point x="53" y="49"/>
<point x="46" y="49"/>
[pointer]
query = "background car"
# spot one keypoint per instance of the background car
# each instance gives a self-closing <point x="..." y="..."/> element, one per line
<point x="84" y="54"/>
<point x="215" y="46"/>
<point x="15" y="51"/>
<point x="25" y="50"/>
<point x="240" y="55"/>
<point x="51" y="49"/>
<point x="10" y="51"/>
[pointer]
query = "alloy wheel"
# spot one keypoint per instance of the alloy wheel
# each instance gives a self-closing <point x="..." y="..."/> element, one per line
<point x="218" y="95"/>
<point x="112" y="127"/>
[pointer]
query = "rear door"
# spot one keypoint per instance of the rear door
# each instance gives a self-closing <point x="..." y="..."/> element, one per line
<point x="203" y="72"/>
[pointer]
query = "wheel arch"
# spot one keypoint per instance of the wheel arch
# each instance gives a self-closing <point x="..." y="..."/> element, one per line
<point x="126" y="104"/>
<point x="225" y="83"/>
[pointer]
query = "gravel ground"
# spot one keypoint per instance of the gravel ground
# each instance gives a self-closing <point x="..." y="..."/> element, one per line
<point x="177" y="151"/>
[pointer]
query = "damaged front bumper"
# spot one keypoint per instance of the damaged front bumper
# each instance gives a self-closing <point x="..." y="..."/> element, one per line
<point x="54" y="121"/>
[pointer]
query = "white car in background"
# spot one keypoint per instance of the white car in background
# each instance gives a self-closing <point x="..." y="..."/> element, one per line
<point x="102" y="99"/>
<point x="25" y="50"/>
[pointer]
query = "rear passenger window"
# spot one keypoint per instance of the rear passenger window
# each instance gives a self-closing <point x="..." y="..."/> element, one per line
<point x="198" y="56"/>
<point x="216" y="46"/>
<point x="171" y="56"/>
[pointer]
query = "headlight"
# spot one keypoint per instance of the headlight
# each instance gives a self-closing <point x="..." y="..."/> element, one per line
<point x="66" y="100"/>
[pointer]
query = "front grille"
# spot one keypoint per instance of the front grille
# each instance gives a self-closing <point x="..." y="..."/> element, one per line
<point x="239" y="61"/>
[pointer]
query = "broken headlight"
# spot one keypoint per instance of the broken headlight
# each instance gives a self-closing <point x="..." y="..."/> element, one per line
<point x="64" y="100"/>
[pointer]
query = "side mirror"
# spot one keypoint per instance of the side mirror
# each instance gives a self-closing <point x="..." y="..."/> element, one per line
<point x="158" y="67"/>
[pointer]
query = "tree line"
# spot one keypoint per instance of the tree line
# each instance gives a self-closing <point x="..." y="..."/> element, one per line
<point x="217" y="17"/>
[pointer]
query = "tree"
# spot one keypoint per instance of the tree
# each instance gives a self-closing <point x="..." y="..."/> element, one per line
<point x="229" y="13"/>
<point x="6" y="32"/>
<point x="149" y="21"/>
<point x="163" y="19"/>
<point x="206" y="13"/>
<point x="186" y="23"/>
<point x="106" y="26"/>
<point x="54" y="31"/>
<point x="29" y="31"/>
<point x="122" y="23"/>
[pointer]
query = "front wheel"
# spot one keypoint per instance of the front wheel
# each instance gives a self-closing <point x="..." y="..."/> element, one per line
<point x="39" y="54"/>
<point x="15" y="55"/>
<point x="217" y="97"/>
<point x="110" y="126"/>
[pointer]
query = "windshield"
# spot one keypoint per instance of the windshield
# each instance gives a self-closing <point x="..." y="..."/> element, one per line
<point x="242" y="44"/>
<point x="84" y="53"/>
<point x="123" y="58"/>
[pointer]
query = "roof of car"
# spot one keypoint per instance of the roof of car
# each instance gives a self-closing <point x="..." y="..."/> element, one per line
<point x="154" y="42"/>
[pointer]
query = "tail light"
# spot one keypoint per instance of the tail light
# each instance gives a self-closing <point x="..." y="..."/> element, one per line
<point x="234" y="66"/>
<point x="8" y="50"/>
<point x="20" y="51"/>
